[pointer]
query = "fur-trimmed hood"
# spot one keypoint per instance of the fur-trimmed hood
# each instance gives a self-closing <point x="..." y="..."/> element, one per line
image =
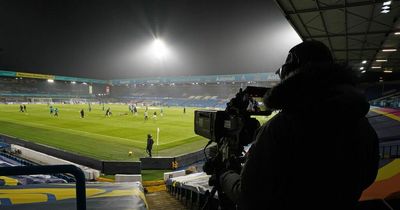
<point x="319" y="88"/>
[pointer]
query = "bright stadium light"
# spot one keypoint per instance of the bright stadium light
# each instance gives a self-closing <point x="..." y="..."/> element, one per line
<point x="389" y="50"/>
<point x="364" y="62"/>
<point x="73" y="82"/>
<point x="159" y="49"/>
<point x="387" y="3"/>
<point x="50" y="80"/>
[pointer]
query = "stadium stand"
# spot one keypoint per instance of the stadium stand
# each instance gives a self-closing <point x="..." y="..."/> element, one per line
<point x="386" y="123"/>
<point x="391" y="101"/>
<point x="25" y="180"/>
<point x="62" y="196"/>
<point x="192" y="91"/>
<point x="8" y="159"/>
<point x="38" y="158"/>
<point x="190" y="189"/>
<point x="29" y="87"/>
<point x="100" y="196"/>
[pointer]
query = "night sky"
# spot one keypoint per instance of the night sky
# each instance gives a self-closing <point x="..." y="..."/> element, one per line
<point x="114" y="39"/>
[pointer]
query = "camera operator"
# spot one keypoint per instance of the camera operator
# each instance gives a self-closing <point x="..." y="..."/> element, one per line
<point x="319" y="151"/>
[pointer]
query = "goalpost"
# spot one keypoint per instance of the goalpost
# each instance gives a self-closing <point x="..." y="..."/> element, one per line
<point x="78" y="101"/>
<point x="41" y="100"/>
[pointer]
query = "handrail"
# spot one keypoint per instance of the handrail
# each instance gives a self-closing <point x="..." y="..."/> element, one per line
<point x="71" y="169"/>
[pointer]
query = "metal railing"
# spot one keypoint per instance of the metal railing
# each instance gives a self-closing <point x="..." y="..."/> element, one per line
<point x="54" y="169"/>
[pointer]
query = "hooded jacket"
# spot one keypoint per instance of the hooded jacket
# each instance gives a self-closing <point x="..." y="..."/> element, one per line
<point x="318" y="152"/>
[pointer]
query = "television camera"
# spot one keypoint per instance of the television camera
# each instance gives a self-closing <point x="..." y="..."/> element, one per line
<point x="230" y="130"/>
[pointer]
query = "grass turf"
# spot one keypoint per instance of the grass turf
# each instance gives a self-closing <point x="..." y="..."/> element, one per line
<point x="101" y="137"/>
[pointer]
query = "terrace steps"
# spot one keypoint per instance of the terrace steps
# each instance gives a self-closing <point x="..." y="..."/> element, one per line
<point x="162" y="200"/>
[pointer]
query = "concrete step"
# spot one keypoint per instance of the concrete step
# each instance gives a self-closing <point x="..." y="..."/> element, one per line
<point x="162" y="200"/>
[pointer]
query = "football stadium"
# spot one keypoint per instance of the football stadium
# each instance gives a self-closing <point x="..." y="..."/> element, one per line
<point x="168" y="105"/>
<point x="170" y="113"/>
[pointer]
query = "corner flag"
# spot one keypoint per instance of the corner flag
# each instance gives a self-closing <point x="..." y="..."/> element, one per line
<point x="158" y="133"/>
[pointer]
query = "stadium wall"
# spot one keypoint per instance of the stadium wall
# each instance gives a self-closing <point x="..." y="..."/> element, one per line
<point x="119" y="167"/>
<point x="165" y="163"/>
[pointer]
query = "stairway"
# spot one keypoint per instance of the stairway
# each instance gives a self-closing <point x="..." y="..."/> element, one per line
<point x="162" y="200"/>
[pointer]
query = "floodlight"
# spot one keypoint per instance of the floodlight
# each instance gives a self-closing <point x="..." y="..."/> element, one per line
<point x="396" y="33"/>
<point x="364" y="62"/>
<point x="387" y="3"/>
<point x="389" y="50"/>
<point x="159" y="48"/>
<point x="363" y="71"/>
<point x="50" y="80"/>
<point x="384" y="11"/>
<point x="381" y="60"/>
<point x="362" y="68"/>
<point x="388" y="71"/>
<point x="376" y="67"/>
<point x="73" y="82"/>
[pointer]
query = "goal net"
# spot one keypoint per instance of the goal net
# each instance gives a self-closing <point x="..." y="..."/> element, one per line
<point x="78" y="101"/>
<point x="41" y="100"/>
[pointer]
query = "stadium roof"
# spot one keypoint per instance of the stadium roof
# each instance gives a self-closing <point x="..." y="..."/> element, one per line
<point x="4" y="73"/>
<point x="354" y="30"/>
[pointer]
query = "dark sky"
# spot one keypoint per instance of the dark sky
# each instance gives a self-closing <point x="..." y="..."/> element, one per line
<point x="113" y="39"/>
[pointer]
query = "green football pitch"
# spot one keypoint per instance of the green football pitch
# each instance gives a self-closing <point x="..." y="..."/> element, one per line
<point x="101" y="137"/>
